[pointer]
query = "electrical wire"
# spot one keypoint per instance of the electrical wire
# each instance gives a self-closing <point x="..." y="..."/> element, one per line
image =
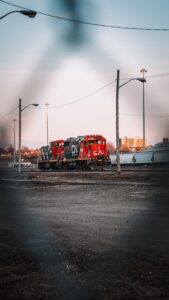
<point x="147" y="116"/>
<point x="159" y="75"/>
<point x="68" y="103"/>
<point x="158" y="116"/>
<point x="8" y="113"/>
<point x="151" y="76"/>
<point x="88" y="23"/>
<point x="89" y="95"/>
<point x="80" y="99"/>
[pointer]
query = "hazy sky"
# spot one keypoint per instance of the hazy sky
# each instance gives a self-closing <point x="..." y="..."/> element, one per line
<point x="47" y="60"/>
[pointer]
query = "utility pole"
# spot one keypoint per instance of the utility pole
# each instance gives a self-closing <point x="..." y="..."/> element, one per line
<point x="144" y="137"/>
<point x="117" y="125"/>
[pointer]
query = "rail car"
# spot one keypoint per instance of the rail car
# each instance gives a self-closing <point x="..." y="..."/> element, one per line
<point x="83" y="152"/>
<point x="156" y="155"/>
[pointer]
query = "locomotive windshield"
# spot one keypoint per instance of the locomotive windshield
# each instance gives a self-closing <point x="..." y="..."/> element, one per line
<point x="55" y="144"/>
<point x="95" y="141"/>
<point x="98" y="141"/>
<point x="91" y="141"/>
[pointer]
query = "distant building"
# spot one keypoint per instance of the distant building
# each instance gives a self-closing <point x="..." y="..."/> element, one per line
<point x="163" y="144"/>
<point x="131" y="144"/>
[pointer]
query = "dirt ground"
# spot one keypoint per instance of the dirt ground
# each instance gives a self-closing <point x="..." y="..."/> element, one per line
<point x="79" y="235"/>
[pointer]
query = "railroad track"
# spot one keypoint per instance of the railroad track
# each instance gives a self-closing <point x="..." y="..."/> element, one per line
<point x="107" y="170"/>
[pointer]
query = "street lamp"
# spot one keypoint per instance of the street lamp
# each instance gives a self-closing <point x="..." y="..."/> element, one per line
<point x="28" y="13"/>
<point x="118" y="86"/>
<point x="47" y="124"/>
<point x="19" y="148"/>
<point x="144" y="137"/>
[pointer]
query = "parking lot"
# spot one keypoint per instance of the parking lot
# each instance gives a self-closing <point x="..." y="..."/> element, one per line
<point x="78" y="235"/>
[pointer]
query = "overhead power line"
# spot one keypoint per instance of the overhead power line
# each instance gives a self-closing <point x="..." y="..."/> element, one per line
<point x="158" y="75"/>
<point x="88" y="23"/>
<point x="158" y="116"/>
<point x="147" y="116"/>
<point x="68" y="103"/>
<point x="150" y="76"/>
<point x="89" y="95"/>
<point x="80" y="99"/>
<point x="8" y="113"/>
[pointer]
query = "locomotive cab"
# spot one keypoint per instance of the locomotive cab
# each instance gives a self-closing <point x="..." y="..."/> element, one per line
<point x="93" y="147"/>
<point x="57" y="149"/>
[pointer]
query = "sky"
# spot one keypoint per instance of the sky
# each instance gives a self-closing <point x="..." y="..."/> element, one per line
<point x="49" y="60"/>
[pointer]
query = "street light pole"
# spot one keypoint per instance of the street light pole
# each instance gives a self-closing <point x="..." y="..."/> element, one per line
<point x="144" y="137"/>
<point x="117" y="124"/>
<point x="30" y="14"/>
<point x="14" y="135"/>
<point x="118" y="86"/>
<point x="47" y="124"/>
<point x="19" y="148"/>
<point x="20" y="122"/>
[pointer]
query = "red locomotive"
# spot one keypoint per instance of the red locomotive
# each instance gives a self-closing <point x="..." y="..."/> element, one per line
<point x="57" y="148"/>
<point x="83" y="152"/>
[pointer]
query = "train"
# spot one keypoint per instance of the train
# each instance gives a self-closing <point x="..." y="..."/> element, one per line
<point x="155" y="155"/>
<point x="88" y="152"/>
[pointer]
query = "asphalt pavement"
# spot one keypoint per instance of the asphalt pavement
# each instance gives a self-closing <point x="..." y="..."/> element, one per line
<point x="84" y="236"/>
